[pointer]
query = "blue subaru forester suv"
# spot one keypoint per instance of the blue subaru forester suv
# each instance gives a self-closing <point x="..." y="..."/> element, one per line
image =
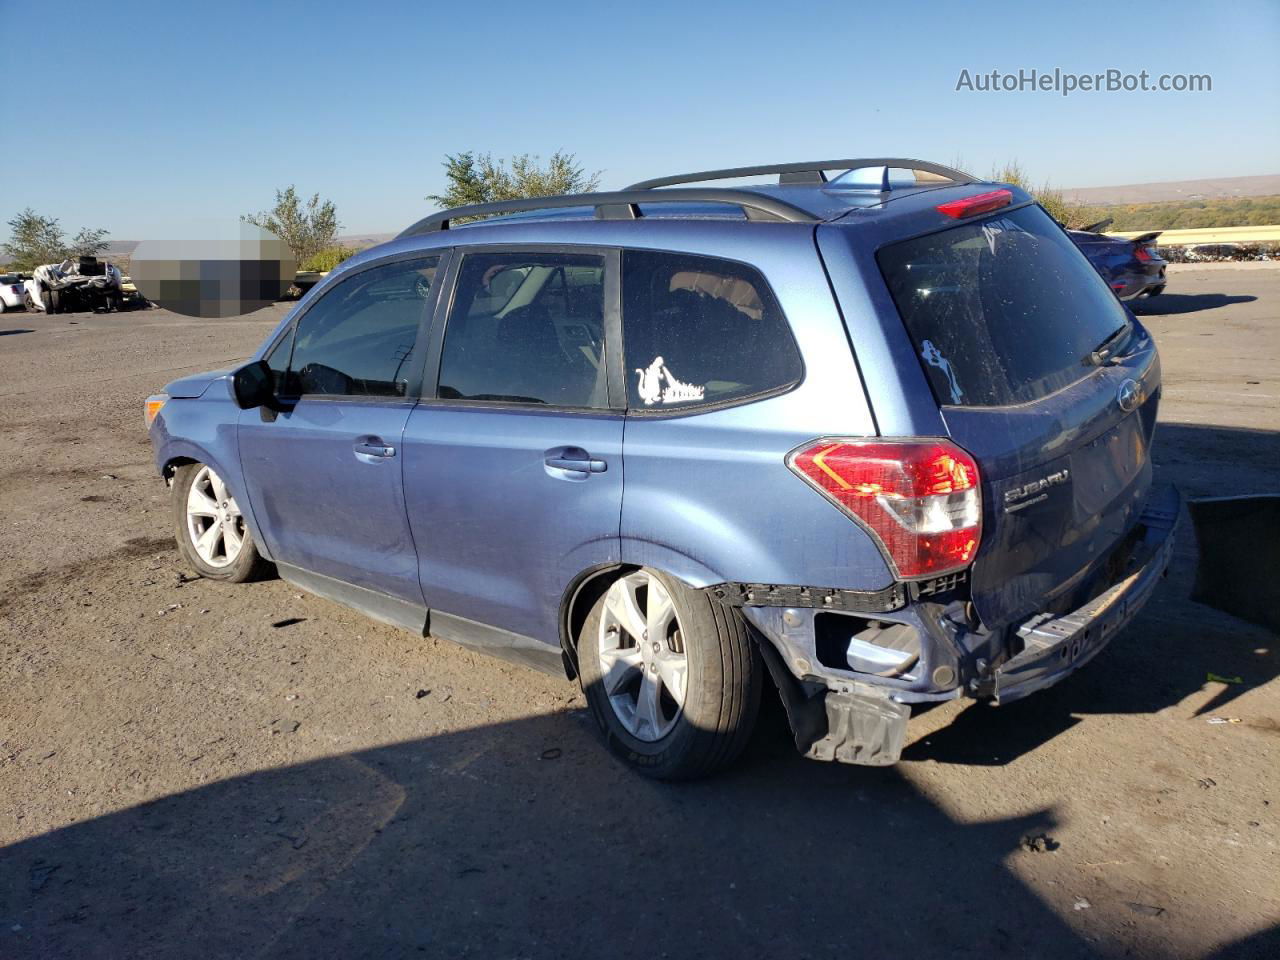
<point x="881" y="439"/>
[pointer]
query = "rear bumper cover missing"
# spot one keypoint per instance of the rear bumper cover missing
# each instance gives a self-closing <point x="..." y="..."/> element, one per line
<point x="1057" y="646"/>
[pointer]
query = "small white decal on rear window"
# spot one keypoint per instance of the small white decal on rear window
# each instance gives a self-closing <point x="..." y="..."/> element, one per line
<point x="934" y="358"/>
<point x="651" y="387"/>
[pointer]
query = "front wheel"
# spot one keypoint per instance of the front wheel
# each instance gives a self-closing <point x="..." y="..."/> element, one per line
<point x="671" y="675"/>
<point x="210" y="529"/>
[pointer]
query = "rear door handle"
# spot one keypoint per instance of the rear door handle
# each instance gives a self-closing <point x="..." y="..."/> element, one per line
<point x="580" y="465"/>
<point x="373" y="447"/>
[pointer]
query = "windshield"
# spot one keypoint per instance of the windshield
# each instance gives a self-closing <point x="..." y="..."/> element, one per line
<point x="1003" y="310"/>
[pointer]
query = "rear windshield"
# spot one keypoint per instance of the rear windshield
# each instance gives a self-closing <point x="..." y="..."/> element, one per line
<point x="1001" y="311"/>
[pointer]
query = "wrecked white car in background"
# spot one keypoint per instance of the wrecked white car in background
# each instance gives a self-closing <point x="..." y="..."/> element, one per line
<point x="85" y="284"/>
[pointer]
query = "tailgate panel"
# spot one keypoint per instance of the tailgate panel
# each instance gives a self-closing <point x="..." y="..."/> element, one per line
<point x="1047" y="527"/>
<point x="1043" y="376"/>
<point x="1063" y="482"/>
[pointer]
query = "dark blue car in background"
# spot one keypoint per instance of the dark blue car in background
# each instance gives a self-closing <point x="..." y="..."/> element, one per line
<point x="883" y="444"/>
<point x="1132" y="267"/>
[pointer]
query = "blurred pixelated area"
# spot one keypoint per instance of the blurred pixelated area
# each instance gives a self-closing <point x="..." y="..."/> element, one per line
<point x="219" y="270"/>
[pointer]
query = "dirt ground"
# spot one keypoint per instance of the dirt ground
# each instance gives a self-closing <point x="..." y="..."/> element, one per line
<point x="195" y="770"/>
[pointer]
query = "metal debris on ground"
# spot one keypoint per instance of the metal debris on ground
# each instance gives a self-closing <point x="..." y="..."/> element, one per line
<point x="1223" y="720"/>
<point x="1040" y="843"/>
<point x="1146" y="909"/>
<point x="1216" y="678"/>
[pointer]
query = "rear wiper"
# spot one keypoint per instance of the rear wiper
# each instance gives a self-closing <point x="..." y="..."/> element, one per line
<point x="1103" y="350"/>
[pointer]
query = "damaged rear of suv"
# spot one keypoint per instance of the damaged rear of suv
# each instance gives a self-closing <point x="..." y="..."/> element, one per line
<point x="884" y="438"/>
<point x="1009" y="487"/>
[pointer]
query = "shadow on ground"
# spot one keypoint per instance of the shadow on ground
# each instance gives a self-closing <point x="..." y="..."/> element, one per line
<point x="472" y="844"/>
<point x="1167" y="304"/>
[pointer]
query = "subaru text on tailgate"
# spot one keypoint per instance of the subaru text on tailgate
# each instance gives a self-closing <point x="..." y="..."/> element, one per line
<point x="884" y="440"/>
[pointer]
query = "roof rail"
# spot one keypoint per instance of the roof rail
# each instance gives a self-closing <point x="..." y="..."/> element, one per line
<point x="809" y="171"/>
<point x="622" y="205"/>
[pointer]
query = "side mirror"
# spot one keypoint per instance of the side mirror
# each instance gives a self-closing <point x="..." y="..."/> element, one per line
<point x="252" y="385"/>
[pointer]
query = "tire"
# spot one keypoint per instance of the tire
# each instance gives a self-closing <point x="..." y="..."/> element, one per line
<point x="52" y="301"/>
<point x="722" y="673"/>
<point x="215" y="556"/>
<point x="28" y="302"/>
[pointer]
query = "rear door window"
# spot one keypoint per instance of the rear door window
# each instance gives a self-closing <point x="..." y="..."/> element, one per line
<point x="527" y="328"/>
<point x="699" y="330"/>
<point x="1001" y="311"/>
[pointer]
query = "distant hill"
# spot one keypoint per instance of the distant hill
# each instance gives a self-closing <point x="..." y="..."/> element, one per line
<point x="359" y="241"/>
<point x="1183" y="214"/>
<point x="1216" y="187"/>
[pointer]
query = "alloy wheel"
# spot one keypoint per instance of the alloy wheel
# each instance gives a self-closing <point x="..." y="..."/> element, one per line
<point x="643" y="663"/>
<point x="215" y="525"/>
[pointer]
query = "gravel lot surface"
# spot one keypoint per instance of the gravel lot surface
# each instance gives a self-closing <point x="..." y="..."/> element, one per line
<point x="194" y="770"/>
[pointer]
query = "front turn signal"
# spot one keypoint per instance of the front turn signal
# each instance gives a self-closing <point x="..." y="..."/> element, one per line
<point x="153" y="405"/>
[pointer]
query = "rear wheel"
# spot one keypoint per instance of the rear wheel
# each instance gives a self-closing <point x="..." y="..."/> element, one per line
<point x="672" y="676"/>
<point x="52" y="301"/>
<point x="210" y="529"/>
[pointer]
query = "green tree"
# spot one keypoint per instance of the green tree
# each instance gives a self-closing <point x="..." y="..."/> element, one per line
<point x="307" y="228"/>
<point x="1049" y="197"/>
<point x="35" y="240"/>
<point x="479" y="178"/>
<point x="327" y="259"/>
<point x="87" y="243"/>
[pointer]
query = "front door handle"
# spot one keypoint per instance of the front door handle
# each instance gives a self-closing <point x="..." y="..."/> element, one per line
<point x="578" y="464"/>
<point x="373" y="447"/>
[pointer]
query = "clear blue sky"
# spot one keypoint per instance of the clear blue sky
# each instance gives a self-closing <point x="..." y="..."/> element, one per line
<point x="143" y="114"/>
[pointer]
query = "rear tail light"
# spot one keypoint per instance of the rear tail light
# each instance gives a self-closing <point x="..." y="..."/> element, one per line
<point x="921" y="499"/>
<point x="1142" y="253"/>
<point x="979" y="203"/>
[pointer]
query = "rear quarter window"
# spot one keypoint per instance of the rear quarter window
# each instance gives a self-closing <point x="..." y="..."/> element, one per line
<point x="1001" y="311"/>
<point x="699" y="331"/>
